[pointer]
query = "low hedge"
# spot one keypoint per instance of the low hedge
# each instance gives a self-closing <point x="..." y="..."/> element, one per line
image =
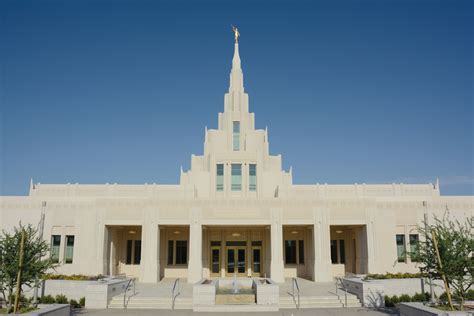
<point x="390" y="301"/>
<point x="74" y="277"/>
<point x="62" y="299"/>
<point x="394" y="276"/>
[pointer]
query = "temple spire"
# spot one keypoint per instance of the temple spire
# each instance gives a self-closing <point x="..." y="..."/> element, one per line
<point x="236" y="75"/>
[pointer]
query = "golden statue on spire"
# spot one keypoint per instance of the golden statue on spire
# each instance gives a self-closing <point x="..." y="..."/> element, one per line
<point x="236" y="33"/>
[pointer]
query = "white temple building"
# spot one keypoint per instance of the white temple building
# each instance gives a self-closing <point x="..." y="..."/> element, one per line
<point x="236" y="211"/>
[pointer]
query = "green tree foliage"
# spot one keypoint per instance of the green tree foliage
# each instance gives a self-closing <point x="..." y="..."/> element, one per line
<point x="456" y="247"/>
<point x="35" y="260"/>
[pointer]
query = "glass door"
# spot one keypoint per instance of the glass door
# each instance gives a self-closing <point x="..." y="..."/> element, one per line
<point x="235" y="261"/>
<point x="256" y="261"/>
<point x="215" y="261"/>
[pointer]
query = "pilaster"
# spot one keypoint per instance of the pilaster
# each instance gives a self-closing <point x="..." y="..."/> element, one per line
<point x="321" y="244"/>
<point x="195" y="247"/>
<point x="150" y="249"/>
<point x="276" y="239"/>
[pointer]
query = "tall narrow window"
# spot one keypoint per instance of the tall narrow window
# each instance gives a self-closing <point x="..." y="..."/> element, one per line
<point x="129" y="252"/>
<point x="137" y="254"/>
<point x="236" y="135"/>
<point x="55" y="244"/>
<point x="401" y="250"/>
<point x="170" y="251"/>
<point x="252" y="177"/>
<point x="69" y="249"/>
<point x="334" y="251"/>
<point x="414" y="240"/>
<point x="342" y="251"/>
<point x="236" y="177"/>
<point x="220" y="177"/>
<point x="301" y="251"/>
<point x="181" y="251"/>
<point x="290" y="251"/>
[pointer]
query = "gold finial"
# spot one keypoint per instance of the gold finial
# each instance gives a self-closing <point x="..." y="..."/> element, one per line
<point x="236" y="33"/>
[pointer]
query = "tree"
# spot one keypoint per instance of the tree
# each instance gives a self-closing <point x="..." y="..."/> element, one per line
<point x="455" y="244"/>
<point x="35" y="260"/>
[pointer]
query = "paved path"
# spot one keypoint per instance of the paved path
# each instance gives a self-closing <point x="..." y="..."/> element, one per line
<point x="308" y="288"/>
<point x="287" y="312"/>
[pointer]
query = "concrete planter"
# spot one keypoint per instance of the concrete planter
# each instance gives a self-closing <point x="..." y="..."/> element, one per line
<point x="204" y="293"/>
<point x="371" y="292"/>
<point x="267" y="293"/>
<point x="98" y="295"/>
<point x="52" y="310"/>
<point x="418" y="309"/>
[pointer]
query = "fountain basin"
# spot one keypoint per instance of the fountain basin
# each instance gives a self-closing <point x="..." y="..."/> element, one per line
<point x="235" y="291"/>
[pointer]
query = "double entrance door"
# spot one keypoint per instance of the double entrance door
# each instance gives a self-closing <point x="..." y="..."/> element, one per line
<point x="234" y="255"/>
<point x="235" y="261"/>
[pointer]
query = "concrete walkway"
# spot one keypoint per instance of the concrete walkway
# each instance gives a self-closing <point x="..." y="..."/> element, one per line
<point x="287" y="312"/>
<point x="308" y="288"/>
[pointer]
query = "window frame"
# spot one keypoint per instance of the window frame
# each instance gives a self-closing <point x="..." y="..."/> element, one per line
<point x="131" y="256"/>
<point x="401" y="258"/>
<point x="58" y="247"/>
<point x="235" y="136"/>
<point x="220" y="177"/>
<point x="414" y="247"/>
<point x="237" y="186"/>
<point x="252" y="186"/>
<point x="299" y="257"/>
<point x="174" y="244"/>
<point x="66" y="245"/>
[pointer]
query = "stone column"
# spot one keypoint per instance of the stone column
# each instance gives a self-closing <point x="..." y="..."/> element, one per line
<point x="321" y="244"/>
<point x="150" y="265"/>
<point x="102" y="249"/>
<point x="276" y="239"/>
<point x="195" y="248"/>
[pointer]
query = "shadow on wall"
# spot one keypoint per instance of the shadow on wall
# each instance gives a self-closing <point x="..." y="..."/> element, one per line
<point x="375" y="299"/>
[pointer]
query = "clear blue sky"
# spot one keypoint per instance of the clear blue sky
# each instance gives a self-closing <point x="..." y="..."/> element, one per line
<point x="352" y="91"/>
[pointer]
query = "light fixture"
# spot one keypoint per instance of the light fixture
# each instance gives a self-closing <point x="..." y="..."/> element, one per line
<point x="295" y="232"/>
<point x="132" y="232"/>
<point x="339" y="231"/>
<point x="176" y="232"/>
<point x="236" y="234"/>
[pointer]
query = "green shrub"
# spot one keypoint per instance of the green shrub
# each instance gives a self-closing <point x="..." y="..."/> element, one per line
<point x="394" y="276"/>
<point x="419" y="297"/>
<point x="395" y="299"/>
<point x="405" y="298"/>
<point x="470" y="295"/>
<point x="74" y="303"/>
<point x="388" y="301"/>
<point x="82" y="301"/>
<point x="74" y="277"/>
<point x="444" y="297"/>
<point x="26" y="309"/>
<point x="61" y="299"/>
<point x="47" y="299"/>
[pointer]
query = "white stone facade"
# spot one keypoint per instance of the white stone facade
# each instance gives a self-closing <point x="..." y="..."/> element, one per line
<point x="216" y="222"/>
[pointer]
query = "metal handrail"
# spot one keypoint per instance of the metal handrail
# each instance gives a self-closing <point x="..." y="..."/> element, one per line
<point x="339" y="280"/>
<point x="175" y="292"/>
<point x="296" y="297"/>
<point x="125" y="301"/>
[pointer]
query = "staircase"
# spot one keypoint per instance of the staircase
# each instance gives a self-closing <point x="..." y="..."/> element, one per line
<point x="141" y="302"/>
<point x="329" y="301"/>
<point x="155" y="296"/>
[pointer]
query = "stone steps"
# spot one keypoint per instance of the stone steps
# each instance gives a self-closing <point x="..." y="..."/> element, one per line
<point x="319" y="302"/>
<point x="139" y="302"/>
<point x="235" y="308"/>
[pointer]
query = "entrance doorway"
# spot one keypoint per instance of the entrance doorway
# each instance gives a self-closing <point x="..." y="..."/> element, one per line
<point x="235" y="261"/>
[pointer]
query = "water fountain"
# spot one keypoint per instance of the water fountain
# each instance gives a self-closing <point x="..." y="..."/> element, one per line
<point x="235" y="291"/>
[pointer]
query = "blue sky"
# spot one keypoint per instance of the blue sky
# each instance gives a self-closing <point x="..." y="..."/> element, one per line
<point x="352" y="91"/>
